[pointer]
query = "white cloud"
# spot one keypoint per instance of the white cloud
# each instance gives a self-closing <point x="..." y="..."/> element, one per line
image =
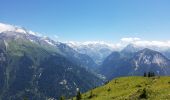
<point x="55" y="37"/>
<point x="98" y="44"/>
<point x="31" y="32"/>
<point x="137" y="42"/>
<point x="155" y="45"/>
<point x="130" y="39"/>
<point x="8" y="27"/>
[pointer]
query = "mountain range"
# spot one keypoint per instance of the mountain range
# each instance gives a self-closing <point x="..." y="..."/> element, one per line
<point x="97" y="50"/>
<point x="131" y="63"/>
<point x="36" y="67"/>
<point x="39" y="68"/>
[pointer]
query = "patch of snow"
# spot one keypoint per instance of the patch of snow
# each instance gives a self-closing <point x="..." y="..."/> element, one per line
<point x="13" y="28"/>
<point x="49" y="42"/>
<point x="136" y="65"/>
<point x="63" y="82"/>
<point x="158" y="60"/>
<point x="146" y="59"/>
<point x="6" y="44"/>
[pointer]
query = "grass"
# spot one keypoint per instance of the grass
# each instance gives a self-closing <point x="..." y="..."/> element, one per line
<point x="132" y="88"/>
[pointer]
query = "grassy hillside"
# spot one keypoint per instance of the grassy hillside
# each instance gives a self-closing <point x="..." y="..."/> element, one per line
<point x="132" y="88"/>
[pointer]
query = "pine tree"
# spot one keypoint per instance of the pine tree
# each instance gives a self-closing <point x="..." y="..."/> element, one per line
<point x="145" y="75"/>
<point x="91" y="95"/>
<point x="79" y="96"/>
<point x="149" y="74"/>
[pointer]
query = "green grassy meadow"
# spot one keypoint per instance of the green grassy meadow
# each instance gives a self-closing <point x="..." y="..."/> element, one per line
<point x="132" y="88"/>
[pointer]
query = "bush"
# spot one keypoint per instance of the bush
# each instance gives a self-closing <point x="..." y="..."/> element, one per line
<point x="91" y="95"/>
<point x="143" y="94"/>
<point x="62" y="98"/>
<point x="109" y="89"/>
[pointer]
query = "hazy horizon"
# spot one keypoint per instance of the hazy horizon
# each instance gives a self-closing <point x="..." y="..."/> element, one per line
<point x="91" y="20"/>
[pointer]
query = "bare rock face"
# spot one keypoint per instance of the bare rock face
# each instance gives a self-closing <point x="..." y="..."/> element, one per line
<point x="34" y="67"/>
<point x="120" y="64"/>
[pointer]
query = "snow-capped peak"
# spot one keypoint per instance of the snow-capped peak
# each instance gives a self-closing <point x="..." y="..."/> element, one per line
<point x="96" y="44"/>
<point x="131" y="48"/>
<point x="97" y="50"/>
<point x="16" y="31"/>
<point x="13" y="28"/>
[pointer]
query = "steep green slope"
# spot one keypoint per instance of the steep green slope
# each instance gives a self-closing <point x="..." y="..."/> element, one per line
<point x="132" y="88"/>
<point x="29" y="70"/>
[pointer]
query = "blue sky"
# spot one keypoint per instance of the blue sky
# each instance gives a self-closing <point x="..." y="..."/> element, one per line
<point x="90" y="20"/>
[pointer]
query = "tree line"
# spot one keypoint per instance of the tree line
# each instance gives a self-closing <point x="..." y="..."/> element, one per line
<point x="149" y="74"/>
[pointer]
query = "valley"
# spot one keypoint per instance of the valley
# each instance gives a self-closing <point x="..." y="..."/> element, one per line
<point x="39" y="68"/>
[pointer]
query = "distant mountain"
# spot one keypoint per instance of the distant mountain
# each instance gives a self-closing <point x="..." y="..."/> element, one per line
<point x="148" y="60"/>
<point x="166" y="53"/>
<point x="82" y="59"/>
<point x="39" y="68"/>
<point x="117" y="64"/>
<point x="98" y="51"/>
<point x="130" y="49"/>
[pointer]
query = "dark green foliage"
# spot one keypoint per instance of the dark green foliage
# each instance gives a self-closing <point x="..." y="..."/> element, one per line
<point x="91" y="95"/>
<point x="138" y="86"/>
<point x="62" y="98"/>
<point x="106" y="82"/>
<point x="109" y="89"/>
<point x="78" y="96"/>
<point x="145" y="75"/>
<point x="143" y="94"/>
<point x="151" y="74"/>
<point x="116" y="81"/>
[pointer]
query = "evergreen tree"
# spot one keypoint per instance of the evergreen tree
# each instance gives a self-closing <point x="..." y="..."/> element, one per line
<point x="145" y="75"/>
<point x="91" y="95"/>
<point x="79" y="96"/>
<point x="149" y="74"/>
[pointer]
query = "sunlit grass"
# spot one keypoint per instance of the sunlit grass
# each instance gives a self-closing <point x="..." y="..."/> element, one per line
<point x="132" y="88"/>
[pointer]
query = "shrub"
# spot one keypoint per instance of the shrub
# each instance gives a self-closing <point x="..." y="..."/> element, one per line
<point x="143" y="94"/>
<point x="62" y="98"/>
